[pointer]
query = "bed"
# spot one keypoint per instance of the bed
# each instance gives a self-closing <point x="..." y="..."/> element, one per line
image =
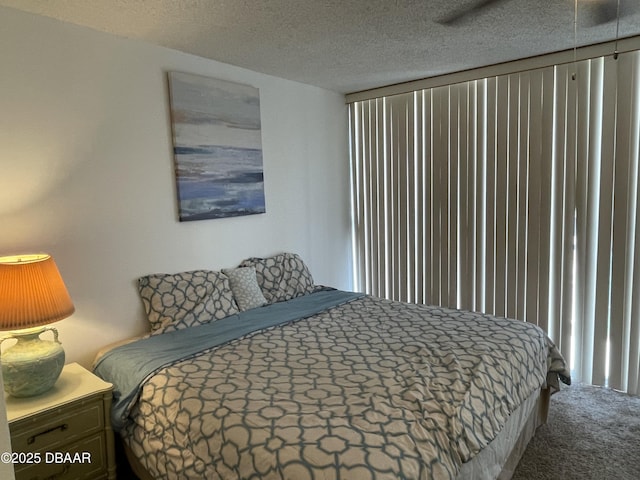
<point x="256" y="372"/>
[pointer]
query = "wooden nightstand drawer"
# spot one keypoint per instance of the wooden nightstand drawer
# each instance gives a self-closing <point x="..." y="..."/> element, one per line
<point x="89" y="463"/>
<point x="65" y="433"/>
<point x="57" y="427"/>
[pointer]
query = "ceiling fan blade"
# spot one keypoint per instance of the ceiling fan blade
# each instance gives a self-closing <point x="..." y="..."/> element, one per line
<point x="466" y="12"/>
<point x="607" y="10"/>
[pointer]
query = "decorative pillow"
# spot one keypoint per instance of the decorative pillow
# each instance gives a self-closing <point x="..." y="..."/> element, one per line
<point x="186" y="299"/>
<point x="244" y="285"/>
<point x="281" y="277"/>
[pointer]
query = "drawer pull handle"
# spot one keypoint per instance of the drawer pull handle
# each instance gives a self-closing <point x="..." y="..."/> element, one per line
<point x="32" y="438"/>
<point x="61" y="473"/>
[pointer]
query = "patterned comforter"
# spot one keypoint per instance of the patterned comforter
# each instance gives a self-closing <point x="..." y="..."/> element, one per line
<point x="368" y="389"/>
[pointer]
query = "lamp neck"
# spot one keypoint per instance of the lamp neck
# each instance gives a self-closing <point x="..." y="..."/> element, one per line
<point x="27" y="335"/>
<point x="26" y="332"/>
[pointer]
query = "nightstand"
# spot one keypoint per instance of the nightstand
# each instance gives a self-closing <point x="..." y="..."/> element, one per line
<point x="64" y="433"/>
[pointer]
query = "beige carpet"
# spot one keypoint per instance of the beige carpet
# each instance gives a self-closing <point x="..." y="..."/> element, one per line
<point x="592" y="433"/>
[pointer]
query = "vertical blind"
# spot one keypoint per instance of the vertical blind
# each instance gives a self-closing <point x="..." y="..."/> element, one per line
<point x="515" y="195"/>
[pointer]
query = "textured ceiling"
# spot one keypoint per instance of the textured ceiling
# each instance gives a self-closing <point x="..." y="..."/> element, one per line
<point x="346" y="45"/>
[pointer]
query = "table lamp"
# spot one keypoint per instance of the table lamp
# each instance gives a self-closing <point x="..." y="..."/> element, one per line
<point x="32" y="294"/>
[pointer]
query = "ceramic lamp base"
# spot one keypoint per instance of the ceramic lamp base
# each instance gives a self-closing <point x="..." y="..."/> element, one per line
<point x="32" y="365"/>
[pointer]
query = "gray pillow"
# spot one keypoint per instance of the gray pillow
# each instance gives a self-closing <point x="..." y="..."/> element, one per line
<point x="281" y="277"/>
<point x="186" y="299"/>
<point x="244" y="285"/>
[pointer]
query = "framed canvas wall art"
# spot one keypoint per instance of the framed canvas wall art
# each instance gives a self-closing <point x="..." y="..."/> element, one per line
<point x="217" y="147"/>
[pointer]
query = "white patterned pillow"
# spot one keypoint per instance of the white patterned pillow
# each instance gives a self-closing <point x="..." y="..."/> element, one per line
<point x="244" y="285"/>
<point x="281" y="277"/>
<point x="186" y="299"/>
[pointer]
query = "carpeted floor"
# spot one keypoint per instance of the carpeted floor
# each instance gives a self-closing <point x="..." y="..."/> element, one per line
<point x="592" y="433"/>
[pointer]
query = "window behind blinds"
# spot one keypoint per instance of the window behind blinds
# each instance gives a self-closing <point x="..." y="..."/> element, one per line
<point x="514" y="195"/>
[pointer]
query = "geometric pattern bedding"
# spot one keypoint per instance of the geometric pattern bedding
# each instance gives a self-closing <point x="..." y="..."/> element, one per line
<point x="372" y="389"/>
<point x="281" y="277"/>
<point x="187" y="299"/>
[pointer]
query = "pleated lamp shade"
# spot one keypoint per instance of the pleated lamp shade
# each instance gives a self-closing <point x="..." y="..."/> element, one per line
<point x="32" y="292"/>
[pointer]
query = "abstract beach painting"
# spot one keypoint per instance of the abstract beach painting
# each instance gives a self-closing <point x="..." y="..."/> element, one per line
<point x="217" y="147"/>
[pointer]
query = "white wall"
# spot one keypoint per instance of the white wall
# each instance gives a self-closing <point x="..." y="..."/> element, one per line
<point x="87" y="174"/>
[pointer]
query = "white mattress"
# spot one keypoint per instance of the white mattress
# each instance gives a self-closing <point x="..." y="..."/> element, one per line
<point x="489" y="463"/>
